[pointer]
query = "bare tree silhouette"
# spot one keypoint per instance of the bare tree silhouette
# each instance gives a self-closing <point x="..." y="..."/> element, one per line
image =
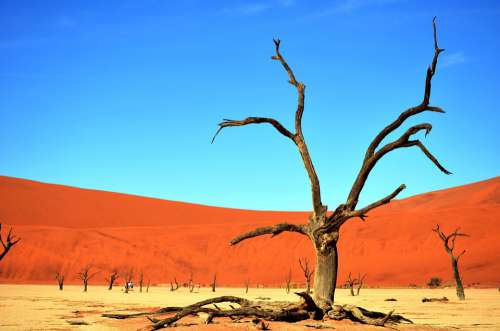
<point x="449" y="246"/>
<point x="9" y="242"/>
<point x="323" y="227"/>
<point x="85" y="275"/>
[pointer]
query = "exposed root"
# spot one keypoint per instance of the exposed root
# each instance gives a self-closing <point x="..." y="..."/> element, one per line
<point x="364" y="316"/>
<point x="261" y="311"/>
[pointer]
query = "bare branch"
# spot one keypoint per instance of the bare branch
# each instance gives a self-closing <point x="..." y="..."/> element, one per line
<point x="273" y="230"/>
<point x="362" y="212"/>
<point x="297" y="138"/>
<point x="10" y="241"/>
<point x="371" y="156"/>
<point x="254" y="120"/>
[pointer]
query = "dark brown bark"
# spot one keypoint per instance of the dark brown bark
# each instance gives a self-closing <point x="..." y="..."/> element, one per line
<point x="9" y="242"/>
<point x="60" y="280"/>
<point x="269" y="311"/>
<point x="128" y="277"/>
<point x="113" y="276"/>
<point x="141" y="281"/>
<point x="214" y="282"/>
<point x="85" y="275"/>
<point x="360" y="283"/>
<point x="174" y="286"/>
<point x="449" y="246"/>
<point x="350" y="283"/>
<point x="322" y="227"/>
<point x="288" y="281"/>
<point x="308" y="272"/>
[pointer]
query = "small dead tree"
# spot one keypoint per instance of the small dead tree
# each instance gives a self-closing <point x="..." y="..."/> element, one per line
<point x="174" y="286"/>
<point x="449" y="246"/>
<point x="9" y="242"/>
<point x="308" y="272"/>
<point x="288" y="281"/>
<point x="190" y="283"/>
<point x="60" y="279"/>
<point x="113" y="276"/>
<point x="247" y="283"/>
<point x="360" y="283"/>
<point x="214" y="282"/>
<point x="128" y="277"/>
<point x="350" y="282"/>
<point x="147" y="286"/>
<point x="141" y="281"/>
<point x="323" y="227"/>
<point x="85" y="275"/>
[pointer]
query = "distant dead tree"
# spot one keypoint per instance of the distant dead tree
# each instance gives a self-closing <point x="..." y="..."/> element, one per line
<point x="434" y="282"/>
<point x="128" y="277"/>
<point x="350" y="282"/>
<point x="9" y="242"/>
<point x="449" y="246"/>
<point x="191" y="284"/>
<point x="141" y="281"/>
<point x="288" y="281"/>
<point x="360" y="283"/>
<point x="214" y="282"/>
<point x="147" y="286"/>
<point x="113" y="276"/>
<point x="60" y="279"/>
<point x="174" y="286"/>
<point x="247" y="283"/>
<point x="308" y="272"/>
<point x="322" y="226"/>
<point x="85" y="275"/>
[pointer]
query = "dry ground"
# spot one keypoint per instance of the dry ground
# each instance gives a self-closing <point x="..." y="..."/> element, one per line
<point x="42" y="307"/>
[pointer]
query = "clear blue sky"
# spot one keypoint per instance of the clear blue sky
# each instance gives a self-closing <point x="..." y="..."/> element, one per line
<point x="125" y="96"/>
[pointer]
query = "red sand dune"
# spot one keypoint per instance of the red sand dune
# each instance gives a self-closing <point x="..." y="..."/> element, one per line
<point x="66" y="227"/>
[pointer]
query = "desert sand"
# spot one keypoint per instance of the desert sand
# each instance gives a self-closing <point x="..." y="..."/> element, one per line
<point x="43" y="307"/>
<point x="66" y="228"/>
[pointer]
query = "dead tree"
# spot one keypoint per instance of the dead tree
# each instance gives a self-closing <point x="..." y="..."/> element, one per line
<point x="128" y="277"/>
<point x="288" y="281"/>
<point x="350" y="283"/>
<point x="174" y="286"/>
<point x="214" y="282"/>
<point x="147" y="286"/>
<point x="360" y="283"/>
<point x="449" y="246"/>
<point x="190" y="283"/>
<point x="113" y="276"/>
<point x="60" y="280"/>
<point x="141" y="281"/>
<point x="247" y="283"/>
<point x="323" y="227"/>
<point x="307" y="274"/>
<point x="85" y="275"/>
<point x="9" y="242"/>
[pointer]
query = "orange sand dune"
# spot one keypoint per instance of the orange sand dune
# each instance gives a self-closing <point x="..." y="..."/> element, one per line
<point x="66" y="227"/>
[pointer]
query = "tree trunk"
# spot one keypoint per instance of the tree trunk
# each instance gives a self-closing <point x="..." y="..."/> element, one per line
<point x="325" y="278"/>
<point x="458" y="281"/>
<point x="85" y="287"/>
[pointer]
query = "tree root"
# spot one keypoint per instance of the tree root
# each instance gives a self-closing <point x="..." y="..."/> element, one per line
<point x="364" y="316"/>
<point x="264" y="311"/>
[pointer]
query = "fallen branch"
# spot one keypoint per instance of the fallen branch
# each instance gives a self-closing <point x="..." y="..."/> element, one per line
<point x="443" y="299"/>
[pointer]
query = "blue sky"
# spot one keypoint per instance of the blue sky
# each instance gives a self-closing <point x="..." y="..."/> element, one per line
<point x="125" y="96"/>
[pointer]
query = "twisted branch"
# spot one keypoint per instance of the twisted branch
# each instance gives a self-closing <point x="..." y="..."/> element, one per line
<point x="10" y="241"/>
<point x="372" y="156"/>
<point x="273" y="230"/>
<point x="296" y="137"/>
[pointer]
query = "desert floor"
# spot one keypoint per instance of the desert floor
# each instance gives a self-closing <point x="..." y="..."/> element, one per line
<point x="43" y="307"/>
